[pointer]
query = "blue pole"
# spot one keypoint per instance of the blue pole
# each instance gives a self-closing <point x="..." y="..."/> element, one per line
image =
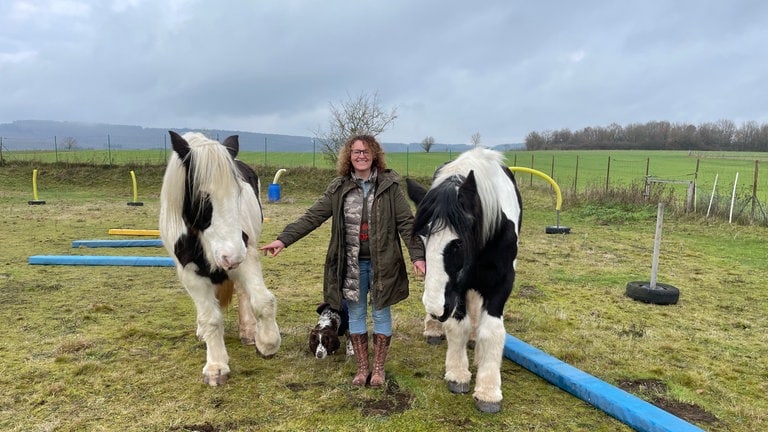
<point x="631" y="410"/>
<point x="94" y="260"/>
<point x="116" y="243"/>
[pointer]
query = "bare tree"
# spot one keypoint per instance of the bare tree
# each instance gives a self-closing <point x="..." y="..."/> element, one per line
<point x="535" y="141"/>
<point x="427" y="143"/>
<point x="748" y="135"/>
<point x="69" y="143"/>
<point x="360" y="115"/>
<point x="656" y="135"/>
<point x="475" y="139"/>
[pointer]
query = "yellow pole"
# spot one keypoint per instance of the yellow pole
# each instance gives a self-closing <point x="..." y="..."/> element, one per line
<point x="133" y="232"/>
<point x="135" y="201"/>
<point x="34" y="184"/>
<point x="34" y="200"/>
<point x="545" y="177"/>
<point x="135" y="189"/>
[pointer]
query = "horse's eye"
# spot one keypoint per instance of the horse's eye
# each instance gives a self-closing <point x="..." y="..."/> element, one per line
<point x="455" y="247"/>
<point x="453" y="257"/>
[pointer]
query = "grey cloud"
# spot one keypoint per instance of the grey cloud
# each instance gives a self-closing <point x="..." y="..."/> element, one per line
<point x="451" y="68"/>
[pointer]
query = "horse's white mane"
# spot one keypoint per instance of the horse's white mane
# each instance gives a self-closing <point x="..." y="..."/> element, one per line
<point x="491" y="183"/>
<point x="213" y="176"/>
<point x="207" y="152"/>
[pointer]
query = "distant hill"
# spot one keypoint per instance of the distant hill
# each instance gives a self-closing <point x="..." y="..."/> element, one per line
<point x="50" y="135"/>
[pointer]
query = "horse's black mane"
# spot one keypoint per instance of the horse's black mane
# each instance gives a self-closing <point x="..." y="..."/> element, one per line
<point x="197" y="210"/>
<point x="440" y="209"/>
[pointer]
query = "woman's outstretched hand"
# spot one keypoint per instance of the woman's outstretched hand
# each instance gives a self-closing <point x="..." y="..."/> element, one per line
<point x="420" y="268"/>
<point x="273" y="248"/>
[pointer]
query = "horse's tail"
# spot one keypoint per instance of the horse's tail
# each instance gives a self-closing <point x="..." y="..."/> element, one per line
<point x="224" y="292"/>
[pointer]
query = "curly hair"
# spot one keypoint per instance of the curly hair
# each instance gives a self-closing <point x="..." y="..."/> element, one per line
<point x="344" y="161"/>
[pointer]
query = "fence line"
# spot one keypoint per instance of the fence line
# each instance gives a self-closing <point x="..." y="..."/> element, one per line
<point x="574" y="172"/>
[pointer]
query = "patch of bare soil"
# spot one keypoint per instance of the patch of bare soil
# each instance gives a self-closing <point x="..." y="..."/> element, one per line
<point x="205" y="427"/>
<point x="654" y="391"/>
<point x="297" y="387"/>
<point x="527" y="291"/>
<point x="393" y="400"/>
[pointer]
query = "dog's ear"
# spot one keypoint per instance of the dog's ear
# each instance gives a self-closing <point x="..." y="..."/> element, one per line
<point x="322" y="307"/>
<point x="334" y="345"/>
<point x="313" y="341"/>
<point x="335" y="323"/>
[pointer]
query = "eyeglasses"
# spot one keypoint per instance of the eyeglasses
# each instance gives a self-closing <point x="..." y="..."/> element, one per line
<point x="361" y="152"/>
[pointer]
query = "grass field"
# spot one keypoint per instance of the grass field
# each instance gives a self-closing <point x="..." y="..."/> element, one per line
<point x="114" y="348"/>
<point x="728" y="185"/>
<point x="572" y="170"/>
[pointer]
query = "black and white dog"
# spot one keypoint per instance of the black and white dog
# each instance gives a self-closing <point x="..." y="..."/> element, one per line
<point x="324" y="338"/>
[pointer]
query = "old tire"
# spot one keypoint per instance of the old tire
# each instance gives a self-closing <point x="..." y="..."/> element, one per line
<point x="557" y="229"/>
<point x="661" y="294"/>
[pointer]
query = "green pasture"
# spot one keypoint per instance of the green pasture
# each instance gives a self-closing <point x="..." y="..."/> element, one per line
<point x="577" y="173"/>
<point x="572" y="170"/>
<point x="114" y="348"/>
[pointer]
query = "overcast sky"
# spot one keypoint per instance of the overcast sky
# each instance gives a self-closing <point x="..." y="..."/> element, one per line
<point x="500" y="68"/>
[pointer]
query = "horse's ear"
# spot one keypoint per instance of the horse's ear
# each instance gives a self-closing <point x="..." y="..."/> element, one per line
<point x="179" y="144"/>
<point x="469" y="199"/>
<point x="232" y="144"/>
<point x="416" y="192"/>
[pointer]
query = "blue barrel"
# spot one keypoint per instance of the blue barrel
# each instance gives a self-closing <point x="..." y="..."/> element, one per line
<point x="273" y="193"/>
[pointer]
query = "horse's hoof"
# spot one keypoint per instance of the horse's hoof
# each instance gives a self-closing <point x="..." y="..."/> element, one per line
<point x="471" y="344"/>
<point x="457" y="387"/>
<point x="434" y="340"/>
<point x="216" y="380"/>
<point x="488" y="407"/>
<point x="272" y="353"/>
<point x="248" y="341"/>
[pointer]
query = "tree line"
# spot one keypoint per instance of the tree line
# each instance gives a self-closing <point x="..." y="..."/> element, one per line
<point x="722" y="135"/>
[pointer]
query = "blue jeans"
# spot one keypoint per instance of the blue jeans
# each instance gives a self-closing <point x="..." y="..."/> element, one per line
<point x="382" y="318"/>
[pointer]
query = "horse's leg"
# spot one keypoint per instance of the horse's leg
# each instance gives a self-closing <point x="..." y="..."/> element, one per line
<point x="433" y="330"/>
<point x="210" y="326"/>
<point x="474" y="309"/>
<point x="262" y="319"/>
<point x="457" y="373"/>
<point x="246" y="320"/>
<point x="488" y="356"/>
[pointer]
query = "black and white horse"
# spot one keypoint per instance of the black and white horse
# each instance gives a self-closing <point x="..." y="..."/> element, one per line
<point x="210" y="223"/>
<point x="469" y="221"/>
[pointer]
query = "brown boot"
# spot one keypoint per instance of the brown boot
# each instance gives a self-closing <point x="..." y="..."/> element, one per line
<point x="360" y="345"/>
<point x="380" y="349"/>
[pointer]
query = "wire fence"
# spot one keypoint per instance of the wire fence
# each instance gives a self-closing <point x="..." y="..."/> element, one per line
<point x="720" y="185"/>
<point x="113" y="149"/>
<point x="717" y="184"/>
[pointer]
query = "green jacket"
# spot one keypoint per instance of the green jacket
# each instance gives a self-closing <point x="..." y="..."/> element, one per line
<point x="390" y="219"/>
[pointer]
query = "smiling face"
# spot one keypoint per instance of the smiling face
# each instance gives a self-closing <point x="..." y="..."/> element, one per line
<point x="362" y="158"/>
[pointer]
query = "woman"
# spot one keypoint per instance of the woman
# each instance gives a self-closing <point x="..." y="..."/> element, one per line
<point x="368" y="209"/>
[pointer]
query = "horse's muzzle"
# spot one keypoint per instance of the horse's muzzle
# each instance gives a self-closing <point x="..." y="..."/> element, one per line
<point x="228" y="263"/>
